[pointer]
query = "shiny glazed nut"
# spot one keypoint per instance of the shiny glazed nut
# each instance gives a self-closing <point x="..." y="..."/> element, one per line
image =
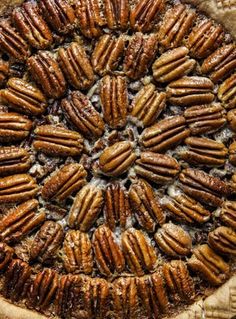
<point x="46" y="242"/>
<point x="231" y="117"/>
<point x="203" y="187"/>
<point x="116" y="159"/>
<point x="157" y="168"/>
<point x="86" y="208"/>
<point x="116" y="13"/>
<point x="175" y="25"/>
<point x="178" y="281"/>
<point x="228" y="213"/>
<point x="165" y="134"/>
<point x="78" y="255"/>
<point x="139" y="55"/>
<point x="17" y="188"/>
<point x="145" y="205"/>
<point x="190" y="90"/>
<point x="172" y="65"/>
<point x="4" y="72"/>
<point x="6" y="254"/>
<point x="24" y="97"/>
<point x="116" y="206"/>
<point x="14" y="160"/>
<point x="144" y="14"/>
<point x="32" y="26"/>
<point x="107" y="53"/>
<point x="227" y="92"/>
<point x="223" y="240"/>
<point x="205" y="118"/>
<point x="20" y="221"/>
<point x="108" y="255"/>
<point x="173" y="240"/>
<point x="13" y="127"/>
<point x="76" y="66"/>
<point x="46" y="72"/>
<point x="114" y="100"/>
<point x="61" y="184"/>
<point x="148" y="104"/>
<point x="139" y="253"/>
<point x="209" y="265"/>
<point x="57" y="141"/>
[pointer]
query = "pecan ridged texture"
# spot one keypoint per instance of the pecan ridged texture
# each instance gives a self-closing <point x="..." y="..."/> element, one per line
<point x="47" y="73"/>
<point x="139" y="55"/>
<point x="147" y="105"/>
<point x="14" y="160"/>
<point x="76" y="66"/>
<point x="139" y="252"/>
<point x="116" y="13"/>
<point x="108" y="255"/>
<point x="223" y="240"/>
<point x="172" y="65"/>
<point x="114" y="100"/>
<point x="13" y="127"/>
<point x="175" y="26"/>
<point x="78" y="254"/>
<point x="190" y="90"/>
<point x="46" y="242"/>
<point x="23" y="97"/>
<point x="32" y="26"/>
<point x="6" y="254"/>
<point x="57" y="141"/>
<point x="231" y="118"/>
<point x="4" y="72"/>
<point x="209" y="265"/>
<point x="145" y="205"/>
<point x="203" y="187"/>
<point x="116" y="159"/>
<point x="227" y="92"/>
<point x="158" y="168"/>
<point x="20" y="221"/>
<point x="86" y="207"/>
<point x="69" y="179"/>
<point x="228" y="213"/>
<point x="232" y="153"/>
<point x="165" y="134"/>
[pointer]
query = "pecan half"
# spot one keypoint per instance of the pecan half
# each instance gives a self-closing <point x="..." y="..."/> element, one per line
<point x="114" y="100"/>
<point x="231" y="117"/>
<point x="205" y="118"/>
<point x="227" y="92"/>
<point x="158" y="168"/>
<point x="223" y="240"/>
<point x="86" y="207"/>
<point x="80" y="111"/>
<point x="20" y="221"/>
<point x="61" y="184"/>
<point x="220" y="63"/>
<point x="108" y="255"/>
<point x="145" y="205"/>
<point x="203" y="187"/>
<point x="4" y="72"/>
<point x="173" y="240"/>
<point x="228" y="213"/>
<point x="107" y="53"/>
<point x="59" y="14"/>
<point x="6" y="254"/>
<point x="116" y="206"/>
<point x="178" y="281"/>
<point x="205" y="38"/>
<point x="172" y="65"/>
<point x="14" y="160"/>
<point x="190" y="90"/>
<point x="78" y="255"/>
<point x="76" y="66"/>
<point x="175" y="25"/>
<point x="24" y="97"/>
<point x="139" y="252"/>
<point x="116" y="13"/>
<point x="116" y="159"/>
<point x="204" y="151"/>
<point x="17" y="188"/>
<point x="32" y="26"/>
<point x="46" y="72"/>
<point x="165" y="134"/>
<point x="46" y="242"/>
<point x="148" y="104"/>
<point x="139" y="55"/>
<point x="13" y="127"/>
<point x="57" y="141"/>
<point x="232" y="153"/>
<point x="12" y="43"/>
<point x="209" y="265"/>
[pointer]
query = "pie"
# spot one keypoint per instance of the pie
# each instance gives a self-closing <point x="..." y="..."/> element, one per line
<point x="117" y="159"/>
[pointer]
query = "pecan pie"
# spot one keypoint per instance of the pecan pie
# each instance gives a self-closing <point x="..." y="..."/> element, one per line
<point x="117" y="158"/>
